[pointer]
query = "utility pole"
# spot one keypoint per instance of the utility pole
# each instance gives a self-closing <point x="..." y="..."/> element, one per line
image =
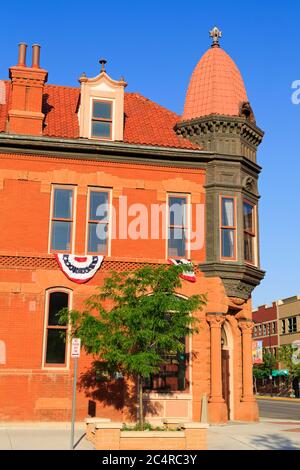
<point x="75" y="353"/>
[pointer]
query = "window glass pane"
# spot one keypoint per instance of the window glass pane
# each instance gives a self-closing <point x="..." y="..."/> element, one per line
<point x="61" y="236"/>
<point x="102" y="110"/>
<point x="227" y="212"/>
<point x="63" y="202"/>
<point x="57" y="301"/>
<point x="101" y="129"/>
<point x="176" y="246"/>
<point x="177" y="207"/>
<point x="227" y="243"/>
<point x="248" y="247"/>
<point x="99" y="209"/>
<point x="294" y="325"/>
<point x="97" y="238"/>
<point x="172" y="375"/>
<point x="56" y="347"/>
<point x="248" y="217"/>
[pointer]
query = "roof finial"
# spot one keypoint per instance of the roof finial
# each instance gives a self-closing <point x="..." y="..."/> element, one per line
<point x="102" y="62"/>
<point x="215" y="33"/>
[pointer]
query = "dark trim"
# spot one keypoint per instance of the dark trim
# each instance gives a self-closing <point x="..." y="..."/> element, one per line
<point x="239" y="279"/>
<point x="85" y="149"/>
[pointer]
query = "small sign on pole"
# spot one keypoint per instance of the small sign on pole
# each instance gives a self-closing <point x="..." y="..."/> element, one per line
<point x="75" y="350"/>
<point x="75" y="353"/>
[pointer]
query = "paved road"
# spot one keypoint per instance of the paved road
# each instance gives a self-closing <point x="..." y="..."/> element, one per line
<point x="279" y="409"/>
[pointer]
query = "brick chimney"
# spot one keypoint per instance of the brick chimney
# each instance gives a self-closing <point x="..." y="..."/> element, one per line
<point x="27" y="85"/>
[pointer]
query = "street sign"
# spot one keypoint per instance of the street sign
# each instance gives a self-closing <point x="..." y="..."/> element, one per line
<point x="75" y="349"/>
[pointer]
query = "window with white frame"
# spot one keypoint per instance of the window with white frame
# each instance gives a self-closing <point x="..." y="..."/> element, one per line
<point x="178" y="226"/>
<point x="62" y="219"/>
<point x="102" y="119"/>
<point x="98" y="221"/>
<point x="55" y="332"/>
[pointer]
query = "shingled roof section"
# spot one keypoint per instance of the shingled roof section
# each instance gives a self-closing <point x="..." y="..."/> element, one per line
<point x="146" y="123"/>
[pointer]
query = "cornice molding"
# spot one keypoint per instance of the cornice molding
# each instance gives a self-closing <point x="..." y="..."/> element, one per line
<point x="221" y="125"/>
<point x="230" y="134"/>
<point x="85" y="149"/>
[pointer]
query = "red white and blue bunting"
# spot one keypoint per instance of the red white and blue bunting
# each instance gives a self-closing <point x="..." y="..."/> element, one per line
<point x="79" y="269"/>
<point x="188" y="274"/>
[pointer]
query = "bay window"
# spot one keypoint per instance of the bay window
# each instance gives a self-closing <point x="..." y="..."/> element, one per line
<point x="228" y="228"/>
<point x="249" y="232"/>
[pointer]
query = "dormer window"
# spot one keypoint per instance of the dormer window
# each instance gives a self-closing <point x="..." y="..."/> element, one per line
<point x="101" y="110"/>
<point x="102" y="119"/>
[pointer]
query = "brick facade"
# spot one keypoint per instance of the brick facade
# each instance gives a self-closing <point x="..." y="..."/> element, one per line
<point x="40" y="149"/>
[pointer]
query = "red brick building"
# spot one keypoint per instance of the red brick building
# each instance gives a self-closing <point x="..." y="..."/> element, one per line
<point x="65" y="151"/>
<point x="266" y="329"/>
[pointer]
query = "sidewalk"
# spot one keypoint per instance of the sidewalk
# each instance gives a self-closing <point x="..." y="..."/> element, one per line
<point x="266" y="435"/>
<point x="41" y="436"/>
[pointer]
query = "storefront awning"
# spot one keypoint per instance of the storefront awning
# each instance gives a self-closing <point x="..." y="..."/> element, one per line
<point x="280" y="373"/>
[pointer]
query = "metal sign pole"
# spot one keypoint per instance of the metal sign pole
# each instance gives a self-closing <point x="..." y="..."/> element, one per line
<point x="75" y="354"/>
<point x="74" y="402"/>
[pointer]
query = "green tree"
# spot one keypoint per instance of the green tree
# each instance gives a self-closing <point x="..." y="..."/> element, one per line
<point x="264" y="370"/>
<point x="134" y="321"/>
<point x="287" y="356"/>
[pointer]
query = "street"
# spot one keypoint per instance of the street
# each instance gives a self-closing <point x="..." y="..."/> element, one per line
<point x="279" y="409"/>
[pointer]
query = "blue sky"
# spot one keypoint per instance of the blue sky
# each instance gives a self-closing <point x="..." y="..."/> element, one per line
<point x="155" y="46"/>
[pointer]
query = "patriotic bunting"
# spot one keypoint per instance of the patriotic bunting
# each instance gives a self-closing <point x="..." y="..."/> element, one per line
<point x="79" y="269"/>
<point x="188" y="274"/>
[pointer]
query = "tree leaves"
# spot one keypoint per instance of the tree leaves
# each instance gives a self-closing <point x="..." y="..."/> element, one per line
<point x="145" y="319"/>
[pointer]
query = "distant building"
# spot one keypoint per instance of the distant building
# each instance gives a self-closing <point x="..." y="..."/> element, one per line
<point x="277" y="324"/>
<point x="266" y="328"/>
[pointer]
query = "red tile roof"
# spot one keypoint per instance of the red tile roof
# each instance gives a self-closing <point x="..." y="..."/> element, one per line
<point x="146" y="123"/>
<point x="216" y="87"/>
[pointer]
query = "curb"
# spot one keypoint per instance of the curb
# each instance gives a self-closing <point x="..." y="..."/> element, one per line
<point x="292" y="400"/>
<point x="286" y="421"/>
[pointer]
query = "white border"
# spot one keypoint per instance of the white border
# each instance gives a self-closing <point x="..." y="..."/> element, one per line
<point x="99" y="189"/>
<point x="74" y="215"/>
<point x="188" y="223"/>
<point x="68" y="330"/>
<point x="99" y="98"/>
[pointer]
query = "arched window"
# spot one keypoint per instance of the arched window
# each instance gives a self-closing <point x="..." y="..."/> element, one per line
<point x="56" y="334"/>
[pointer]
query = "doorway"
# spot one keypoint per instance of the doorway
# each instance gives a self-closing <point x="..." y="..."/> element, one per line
<point x="227" y="369"/>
